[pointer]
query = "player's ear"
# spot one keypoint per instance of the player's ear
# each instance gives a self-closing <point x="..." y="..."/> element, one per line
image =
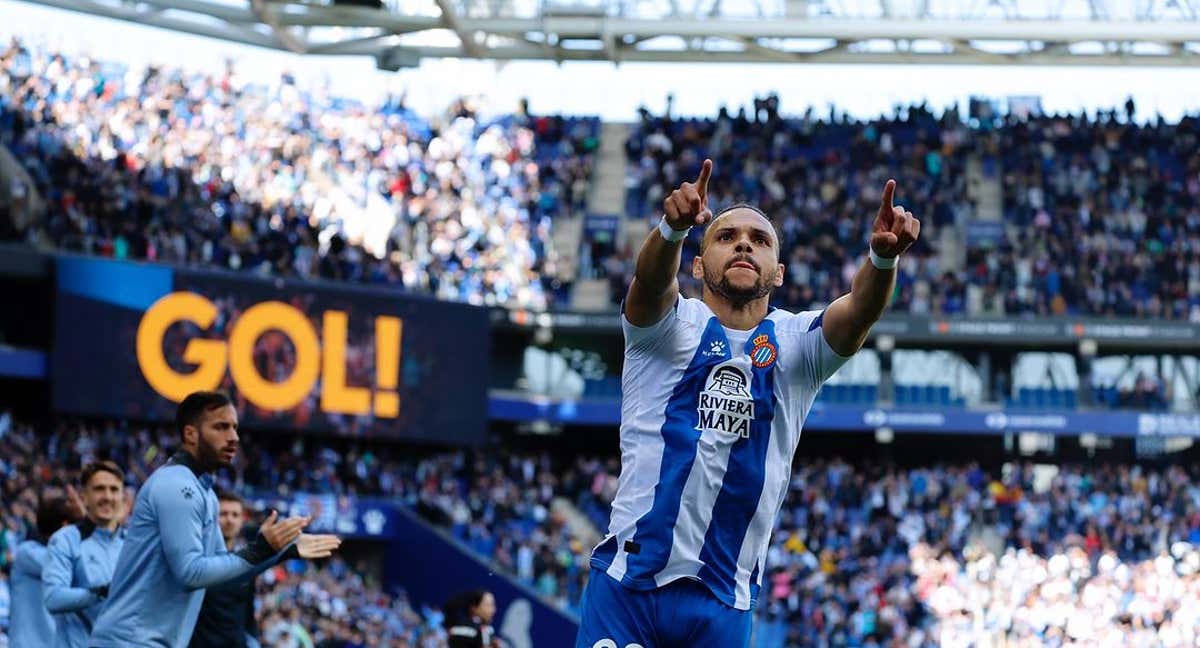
<point x="779" y="277"/>
<point x="191" y="435"/>
<point x="697" y="267"/>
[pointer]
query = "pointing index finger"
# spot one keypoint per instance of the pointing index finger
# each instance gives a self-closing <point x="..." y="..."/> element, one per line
<point x="885" y="204"/>
<point x="702" y="180"/>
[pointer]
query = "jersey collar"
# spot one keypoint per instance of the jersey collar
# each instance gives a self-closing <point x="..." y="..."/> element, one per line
<point x="185" y="458"/>
<point x="86" y="527"/>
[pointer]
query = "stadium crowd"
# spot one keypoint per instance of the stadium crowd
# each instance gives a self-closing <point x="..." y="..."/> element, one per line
<point x="863" y="555"/>
<point x="869" y="556"/>
<point x="820" y="178"/>
<point x="301" y="606"/>
<point x="169" y="165"/>
<point x="1068" y="598"/>
<point x="500" y="509"/>
<point x="1105" y="215"/>
<point x="1101" y="214"/>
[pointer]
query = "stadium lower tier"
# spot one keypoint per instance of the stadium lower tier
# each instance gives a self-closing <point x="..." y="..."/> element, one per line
<point x="867" y="553"/>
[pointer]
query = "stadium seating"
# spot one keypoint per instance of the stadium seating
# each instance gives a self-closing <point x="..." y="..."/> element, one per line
<point x="1055" y="254"/>
<point x="1094" y="218"/>
<point x="310" y="186"/>
<point x="462" y="206"/>
<point x="851" y="559"/>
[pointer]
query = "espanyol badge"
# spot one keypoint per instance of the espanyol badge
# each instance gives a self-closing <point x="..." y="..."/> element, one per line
<point x="764" y="353"/>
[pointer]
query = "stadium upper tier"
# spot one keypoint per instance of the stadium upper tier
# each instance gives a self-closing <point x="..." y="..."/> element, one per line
<point x="167" y="165"/>
<point x="1092" y="215"/>
<point x="1100" y="216"/>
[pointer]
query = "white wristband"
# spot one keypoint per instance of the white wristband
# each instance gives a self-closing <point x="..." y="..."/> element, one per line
<point x="884" y="263"/>
<point x="671" y="234"/>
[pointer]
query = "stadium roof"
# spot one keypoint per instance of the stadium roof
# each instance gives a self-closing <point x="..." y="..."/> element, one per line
<point x="399" y="33"/>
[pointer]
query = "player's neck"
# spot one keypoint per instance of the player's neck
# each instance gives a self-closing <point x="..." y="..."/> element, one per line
<point x="742" y="317"/>
<point x="109" y="526"/>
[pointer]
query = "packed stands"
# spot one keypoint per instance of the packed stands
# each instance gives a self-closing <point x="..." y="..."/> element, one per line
<point x="876" y="554"/>
<point x="1103" y="217"/>
<point x="303" y="605"/>
<point x="1088" y="229"/>
<point x="820" y="178"/>
<point x="168" y="165"/>
<point x="154" y="163"/>
<point x="498" y="507"/>
<point x="861" y="552"/>
<point x="1068" y="598"/>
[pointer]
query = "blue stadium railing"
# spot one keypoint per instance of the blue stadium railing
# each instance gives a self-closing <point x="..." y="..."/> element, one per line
<point x="851" y="417"/>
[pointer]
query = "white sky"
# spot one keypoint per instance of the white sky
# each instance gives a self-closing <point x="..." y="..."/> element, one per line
<point x="615" y="92"/>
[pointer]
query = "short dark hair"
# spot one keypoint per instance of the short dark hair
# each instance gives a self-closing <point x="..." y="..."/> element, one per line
<point x="229" y="496"/>
<point x="741" y="205"/>
<point x="52" y="514"/>
<point x="753" y="208"/>
<point x="191" y="409"/>
<point x="458" y="609"/>
<point x="91" y="469"/>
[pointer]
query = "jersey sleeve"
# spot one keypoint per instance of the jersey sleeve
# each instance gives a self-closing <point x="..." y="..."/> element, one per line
<point x="179" y="507"/>
<point x="814" y="360"/>
<point x="30" y="560"/>
<point x="658" y="336"/>
<point x="646" y="338"/>
<point x="57" y="575"/>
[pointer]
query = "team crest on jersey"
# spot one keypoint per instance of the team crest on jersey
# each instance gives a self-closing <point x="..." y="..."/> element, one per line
<point x="764" y="353"/>
<point x="726" y="405"/>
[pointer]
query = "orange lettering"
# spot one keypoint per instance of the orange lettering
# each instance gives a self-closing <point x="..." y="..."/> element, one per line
<point x="263" y="391"/>
<point x="336" y="395"/>
<point x="207" y="355"/>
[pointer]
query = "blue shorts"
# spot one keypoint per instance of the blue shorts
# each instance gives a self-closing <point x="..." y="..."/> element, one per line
<point x="681" y="614"/>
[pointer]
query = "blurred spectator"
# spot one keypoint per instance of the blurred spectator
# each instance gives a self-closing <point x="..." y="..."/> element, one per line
<point x="469" y="620"/>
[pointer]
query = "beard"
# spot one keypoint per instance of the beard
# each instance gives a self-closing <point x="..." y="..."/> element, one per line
<point x="738" y="296"/>
<point x="209" y="455"/>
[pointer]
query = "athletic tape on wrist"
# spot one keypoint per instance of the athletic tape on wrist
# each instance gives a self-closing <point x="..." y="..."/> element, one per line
<point x="669" y="233"/>
<point x="884" y="263"/>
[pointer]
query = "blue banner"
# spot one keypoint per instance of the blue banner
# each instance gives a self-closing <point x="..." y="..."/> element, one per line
<point x="132" y="340"/>
<point x="363" y="518"/>
<point x="827" y="417"/>
<point x="22" y="363"/>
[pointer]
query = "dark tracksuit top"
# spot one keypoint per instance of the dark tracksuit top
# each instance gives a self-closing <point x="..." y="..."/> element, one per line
<point x="227" y="616"/>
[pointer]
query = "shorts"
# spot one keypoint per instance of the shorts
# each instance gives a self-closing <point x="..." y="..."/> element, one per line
<point x="680" y="614"/>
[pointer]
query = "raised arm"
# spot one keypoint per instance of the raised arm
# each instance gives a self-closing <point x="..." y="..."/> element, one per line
<point x="850" y="317"/>
<point x="181" y="530"/>
<point x="655" y="287"/>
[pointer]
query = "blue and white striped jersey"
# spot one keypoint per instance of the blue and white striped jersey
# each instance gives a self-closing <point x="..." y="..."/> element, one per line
<point x="710" y="420"/>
